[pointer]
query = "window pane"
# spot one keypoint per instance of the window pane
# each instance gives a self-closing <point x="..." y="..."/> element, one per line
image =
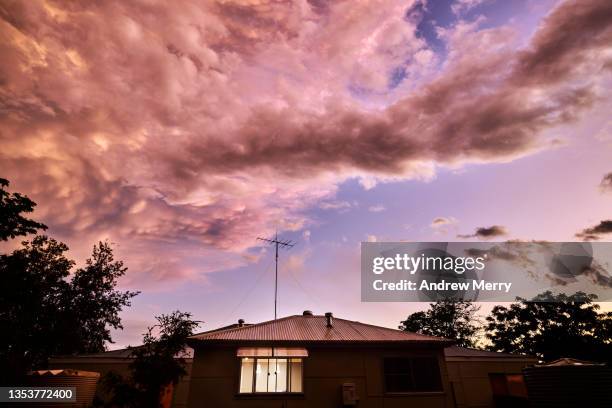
<point x="397" y="365"/>
<point x="398" y="375"/>
<point x="271" y="375"/>
<point x="261" y="375"/>
<point x="295" y="375"/>
<point x="412" y="374"/>
<point x="278" y="375"/>
<point x="426" y="374"/>
<point x="398" y="383"/>
<point x="246" y="375"/>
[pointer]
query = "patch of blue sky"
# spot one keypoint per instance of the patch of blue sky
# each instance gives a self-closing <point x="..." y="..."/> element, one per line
<point x="428" y="16"/>
<point x="397" y="76"/>
<point x="432" y="15"/>
<point x="497" y="13"/>
<point x="435" y="14"/>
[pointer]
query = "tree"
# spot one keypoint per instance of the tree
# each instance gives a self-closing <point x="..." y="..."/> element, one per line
<point x="93" y="303"/>
<point x="44" y="313"/>
<point x="158" y="363"/>
<point x="44" y="310"/>
<point x="452" y="319"/>
<point x="552" y="326"/>
<point x="12" y="223"/>
<point x="33" y="283"/>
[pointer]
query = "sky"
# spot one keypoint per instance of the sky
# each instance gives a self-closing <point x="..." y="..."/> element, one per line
<point x="182" y="131"/>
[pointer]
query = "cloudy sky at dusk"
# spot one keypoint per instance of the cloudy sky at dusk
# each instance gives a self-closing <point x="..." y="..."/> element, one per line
<point x="181" y="131"/>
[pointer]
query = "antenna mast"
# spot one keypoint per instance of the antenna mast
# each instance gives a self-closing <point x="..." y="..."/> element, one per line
<point x="277" y="243"/>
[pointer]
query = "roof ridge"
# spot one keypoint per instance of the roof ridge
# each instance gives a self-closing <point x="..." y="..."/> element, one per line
<point x="311" y="328"/>
<point x="246" y="326"/>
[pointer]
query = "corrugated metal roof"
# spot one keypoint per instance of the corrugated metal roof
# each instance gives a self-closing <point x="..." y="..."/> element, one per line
<point x="116" y="354"/>
<point x="65" y="372"/>
<point x="455" y="351"/>
<point x="572" y="362"/>
<point x="300" y="328"/>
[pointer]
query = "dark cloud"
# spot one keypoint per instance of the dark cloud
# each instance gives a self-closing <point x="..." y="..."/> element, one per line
<point x="568" y="40"/>
<point x="515" y="252"/>
<point x="606" y="183"/>
<point x="595" y="233"/>
<point x="446" y="121"/>
<point x="493" y="231"/>
<point x="564" y="263"/>
<point x="599" y="275"/>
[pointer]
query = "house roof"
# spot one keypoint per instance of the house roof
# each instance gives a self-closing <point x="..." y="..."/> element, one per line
<point x="112" y="355"/>
<point x="66" y="372"/>
<point x="313" y="329"/>
<point x="569" y="362"/>
<point x="455" y="352"/>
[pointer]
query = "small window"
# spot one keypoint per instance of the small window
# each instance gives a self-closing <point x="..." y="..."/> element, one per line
<point x="417" y="374"/>
<point x="269" y="375"/>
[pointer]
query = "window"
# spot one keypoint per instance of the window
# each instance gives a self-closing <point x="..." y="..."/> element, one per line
<point x="264" y="374"/>
<point x="416" y="374"/>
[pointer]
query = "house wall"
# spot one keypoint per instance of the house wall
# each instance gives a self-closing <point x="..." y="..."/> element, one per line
<point x="470" y="382"/>
<point x="215" y="377"/>
<point x="468" y="378"/>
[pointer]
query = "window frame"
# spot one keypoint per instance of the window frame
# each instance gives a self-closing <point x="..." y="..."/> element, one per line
<point x="439" y="391"/>
<point x="253" y="391"/>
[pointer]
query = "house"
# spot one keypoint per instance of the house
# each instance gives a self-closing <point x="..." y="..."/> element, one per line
<point x="318" y="361"/>
<point x="323" y="361"/>
<point x="476" y="376"/>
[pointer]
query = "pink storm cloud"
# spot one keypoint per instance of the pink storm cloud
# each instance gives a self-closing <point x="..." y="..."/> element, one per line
<point x="197" y="126"/>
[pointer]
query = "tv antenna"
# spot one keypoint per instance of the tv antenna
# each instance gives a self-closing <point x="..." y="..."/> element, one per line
<point x="282" y="244"/>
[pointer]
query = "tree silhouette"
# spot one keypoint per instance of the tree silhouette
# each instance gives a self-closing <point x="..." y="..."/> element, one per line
<point x="452" y="319"/>
<point x="552" y="326"/>
<point x="158" y="363"/>
<point x="12" y="223"/>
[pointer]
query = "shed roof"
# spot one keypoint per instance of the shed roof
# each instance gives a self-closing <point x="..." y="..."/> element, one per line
<point x="455" y="352"/>
<point x="314" y="329"/>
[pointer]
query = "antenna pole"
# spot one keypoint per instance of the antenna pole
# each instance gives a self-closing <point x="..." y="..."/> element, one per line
<point x="275" y="275"/>
<point x="282" y="244"/>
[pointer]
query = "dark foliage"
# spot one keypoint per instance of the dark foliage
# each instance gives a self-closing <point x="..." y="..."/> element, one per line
<point x="158" y="363"/>
<point x="94" y="303"/>
<point x="452" y="319"/>
<point x="552" y="326"/>
<point x="33" y="281"/>
<point x="44" y="313"/>
<point x="12" y="223"/>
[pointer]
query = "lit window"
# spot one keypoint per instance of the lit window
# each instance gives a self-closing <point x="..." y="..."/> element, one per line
<point x="263" y="374"/>
<point x="419" y="374"/>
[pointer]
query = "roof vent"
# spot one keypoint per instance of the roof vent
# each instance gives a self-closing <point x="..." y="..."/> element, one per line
<point x="330" y="319"/>
<point x="307" y="313"/>
<point x="240" y="322"/>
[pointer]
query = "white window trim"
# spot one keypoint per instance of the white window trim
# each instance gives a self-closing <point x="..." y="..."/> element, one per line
<point x="288" y="378"/>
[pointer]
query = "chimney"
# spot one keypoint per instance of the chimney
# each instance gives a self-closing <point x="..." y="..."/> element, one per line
<point x="330" y="319"/>
<point x="307" y="313"/>
<point x="240" y="322"/>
